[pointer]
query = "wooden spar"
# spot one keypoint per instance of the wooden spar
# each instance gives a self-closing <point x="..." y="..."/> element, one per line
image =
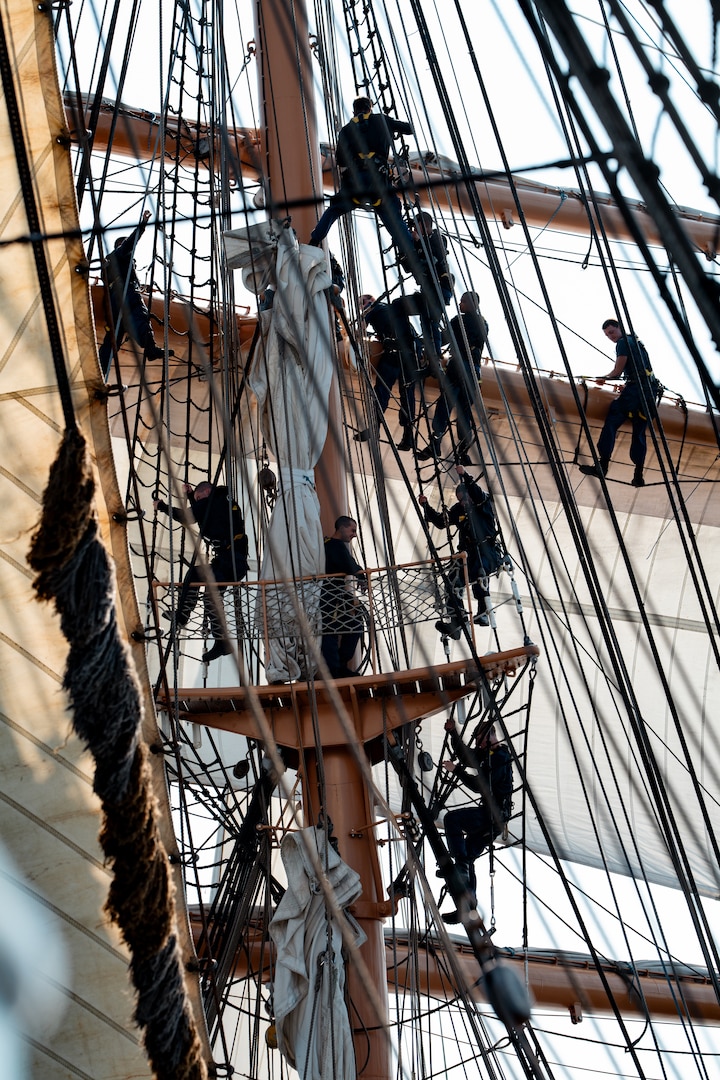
<point x="558" y="209"/>
<point x="287" y="100"/>
<point x="136" y="133"/>
<point x="556" y="980"/>
<point x="503" y="385"/>
<point x="334" y="788"/>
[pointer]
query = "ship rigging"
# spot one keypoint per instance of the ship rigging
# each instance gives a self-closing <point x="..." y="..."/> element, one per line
<point x="600" y="661"/>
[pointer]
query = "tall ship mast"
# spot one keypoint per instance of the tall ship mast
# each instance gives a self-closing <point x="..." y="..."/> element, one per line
<point x="231" y="847"/>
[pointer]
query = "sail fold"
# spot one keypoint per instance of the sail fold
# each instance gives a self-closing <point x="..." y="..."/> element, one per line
<point x="313" y="1028"/>
<point x="291" y="380"/>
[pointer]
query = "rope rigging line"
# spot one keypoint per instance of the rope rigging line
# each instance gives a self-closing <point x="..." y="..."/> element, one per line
<point x="675" y="478"/>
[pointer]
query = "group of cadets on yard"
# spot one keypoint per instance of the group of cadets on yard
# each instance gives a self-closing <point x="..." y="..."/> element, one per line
<point x="363" y="156"/>
<point x="407" y="357"/>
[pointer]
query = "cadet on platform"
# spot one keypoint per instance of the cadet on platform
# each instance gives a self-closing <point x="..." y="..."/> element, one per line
<point x="342" y="621"/>
<point x="473" y="515"/>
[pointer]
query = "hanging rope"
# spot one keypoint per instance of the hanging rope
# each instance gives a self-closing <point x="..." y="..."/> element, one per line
<point x="74" y="572"/>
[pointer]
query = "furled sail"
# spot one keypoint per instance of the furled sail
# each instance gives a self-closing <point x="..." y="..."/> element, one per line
<point x="290" y="378"/>
<point x="313" y="1027"/>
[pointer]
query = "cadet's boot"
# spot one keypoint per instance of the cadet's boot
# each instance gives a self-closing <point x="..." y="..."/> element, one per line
<point x="453" y="628"/>
<point x="462" y="457"/>
<point x="220" y="648"/>
<point x="593" y="470"/>
<point x="153" y="351"/>
<point x="433" y="449"/>
<point x="482" y="618"/>
<point x="638" y="480"/>
<point x="406" y="443"/>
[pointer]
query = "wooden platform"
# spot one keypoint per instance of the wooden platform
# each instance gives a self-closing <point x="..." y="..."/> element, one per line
<point x="377" y="702"/>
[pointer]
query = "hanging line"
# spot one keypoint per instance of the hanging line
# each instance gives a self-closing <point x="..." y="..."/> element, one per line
<point x="34" y="224"/>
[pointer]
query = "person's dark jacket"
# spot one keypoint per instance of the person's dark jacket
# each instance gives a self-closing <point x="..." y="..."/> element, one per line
<point x="336" y="600"/>
<point x="432" y="254"/>
<point x="119" y="268"/>
<point x="338" y="559"/>
<point x="476" y="528"/>
<point x="395" y="331"/>
<point x="366" y="141"/>
<point x="638" y="368"/>
<point x="471" y="343"/>
<point x="475" y="523"/>
<point x="492" y="775"/>
<point x="218" y="517"/>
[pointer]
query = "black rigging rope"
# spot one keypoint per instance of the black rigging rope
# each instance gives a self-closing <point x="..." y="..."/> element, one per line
<point x="47" y="294"/>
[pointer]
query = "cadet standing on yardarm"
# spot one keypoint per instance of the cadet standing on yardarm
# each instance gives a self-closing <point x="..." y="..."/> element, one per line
<point x="636" y="402"/>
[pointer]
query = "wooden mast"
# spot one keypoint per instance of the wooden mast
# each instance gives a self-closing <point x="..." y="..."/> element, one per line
<point x="293" y="172"/>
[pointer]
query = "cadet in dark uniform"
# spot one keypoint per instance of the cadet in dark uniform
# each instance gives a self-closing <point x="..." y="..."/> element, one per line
<point x="129" y="315"/>
<point x="635" y="402"/>
<point x="400" y="359"/>
<point x="431" y="256"/>
<point x="220" y="522"/>
<point x="473" y="516"/>
<point x="469" y="830"/>
<point x="341" y="620"/>
<point x="362" y="155"/>
<point x="469" y="334"/>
